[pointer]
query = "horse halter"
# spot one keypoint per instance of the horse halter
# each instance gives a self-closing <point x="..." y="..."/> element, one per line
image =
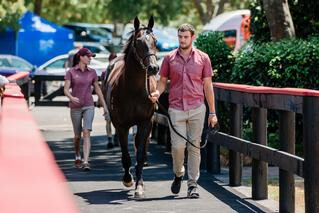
<point x="139" y="58"/>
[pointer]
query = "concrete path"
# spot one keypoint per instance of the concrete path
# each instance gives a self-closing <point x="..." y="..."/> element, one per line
<point x="101" y="190"/>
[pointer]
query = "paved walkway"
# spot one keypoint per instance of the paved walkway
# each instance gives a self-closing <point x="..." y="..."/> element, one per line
<point x="101" y="190"/>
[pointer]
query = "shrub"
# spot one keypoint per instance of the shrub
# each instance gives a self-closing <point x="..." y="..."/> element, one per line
<point x="219" y="53"/>
<point x="290" y="63"/>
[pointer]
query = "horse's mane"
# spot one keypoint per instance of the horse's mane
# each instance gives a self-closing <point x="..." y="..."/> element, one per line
<point x="127" y="45"/>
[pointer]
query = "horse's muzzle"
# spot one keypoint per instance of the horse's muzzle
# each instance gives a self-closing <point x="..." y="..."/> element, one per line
<point x="152" y="69"/>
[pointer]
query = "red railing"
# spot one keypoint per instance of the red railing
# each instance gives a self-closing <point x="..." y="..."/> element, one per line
<point x="288" y="102"/>
<point x="30" y="180"/>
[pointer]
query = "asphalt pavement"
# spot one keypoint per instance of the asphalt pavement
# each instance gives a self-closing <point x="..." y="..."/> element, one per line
<point x="101" y="189"/>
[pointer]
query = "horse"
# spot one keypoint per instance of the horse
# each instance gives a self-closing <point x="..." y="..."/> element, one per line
<point x="126" y="90"/>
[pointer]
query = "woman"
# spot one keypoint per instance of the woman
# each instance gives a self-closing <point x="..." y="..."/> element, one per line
<point x="80" y="79"/>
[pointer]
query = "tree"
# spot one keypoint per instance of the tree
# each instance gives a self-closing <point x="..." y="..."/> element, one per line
<point x="38" y="7"/>
<point x="10" y="12"/>
<point x="279" y="19"/>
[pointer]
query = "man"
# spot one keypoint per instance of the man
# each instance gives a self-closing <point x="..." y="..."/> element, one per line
<point x="189" y="71"/>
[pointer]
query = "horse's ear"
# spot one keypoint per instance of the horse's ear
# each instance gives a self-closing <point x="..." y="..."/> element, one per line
<point x="151" y="23"/>
<point x="136" y="23"/>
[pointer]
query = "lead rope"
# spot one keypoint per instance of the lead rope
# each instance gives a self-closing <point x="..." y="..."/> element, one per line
<point x="210" y="130"/>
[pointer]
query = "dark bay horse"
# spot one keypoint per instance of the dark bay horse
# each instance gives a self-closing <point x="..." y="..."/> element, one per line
<point x="126" y="94"/>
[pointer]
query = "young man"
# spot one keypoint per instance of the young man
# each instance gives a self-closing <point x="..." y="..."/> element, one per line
<point x="189" y="71"/>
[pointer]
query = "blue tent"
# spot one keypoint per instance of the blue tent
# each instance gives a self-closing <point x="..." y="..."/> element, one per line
<point x="37" y="41"/>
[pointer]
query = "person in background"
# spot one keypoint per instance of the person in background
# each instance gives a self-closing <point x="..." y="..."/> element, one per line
<point x="108" y="125"/>
<point x="190" y="74"/>
<point x="80" y="79"/>
<point x="3" y="82"/>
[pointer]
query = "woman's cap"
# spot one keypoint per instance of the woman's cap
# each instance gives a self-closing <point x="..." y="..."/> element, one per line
<point x="85" y="51"/>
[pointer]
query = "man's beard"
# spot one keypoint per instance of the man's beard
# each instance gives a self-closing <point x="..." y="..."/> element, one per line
<point x="185" y="47"/>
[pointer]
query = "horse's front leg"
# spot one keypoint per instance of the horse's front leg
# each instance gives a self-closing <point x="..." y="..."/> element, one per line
<point x="141" y="140"/>
<point x="126" y="159"/>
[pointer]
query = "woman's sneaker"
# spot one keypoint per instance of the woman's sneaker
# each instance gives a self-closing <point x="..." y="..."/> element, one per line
<point x="78" y="163"/>
<point x="192" y="192"/>
<point x="86" y="167"/>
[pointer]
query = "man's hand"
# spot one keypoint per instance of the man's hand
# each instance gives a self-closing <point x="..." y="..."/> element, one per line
<point x="212" y="120"/>
<point x="75" y="100"/>
<point x="154" y="96"/>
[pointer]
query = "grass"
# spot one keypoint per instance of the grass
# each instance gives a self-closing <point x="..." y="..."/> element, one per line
<point x="273" y="192"/>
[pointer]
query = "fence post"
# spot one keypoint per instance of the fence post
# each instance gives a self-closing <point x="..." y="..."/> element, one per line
<point x="235" y="159"/>
<point x="311" y="152"/>
<point x="287" y="144"/>
<point x="259" y="168"/>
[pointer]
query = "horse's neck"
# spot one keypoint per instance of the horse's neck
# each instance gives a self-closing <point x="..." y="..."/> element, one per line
<point x="134" y="73"/>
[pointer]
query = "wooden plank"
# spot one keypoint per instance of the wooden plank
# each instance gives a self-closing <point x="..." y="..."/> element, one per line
<point x="235" y="159"/>
<point x="286" y="179"/>
<point x="259" y="167"/>
<point x="311" y="150"/>
<point x="48" y="77"/>
<point x="58" y="92"/>
<point x="51" y="103"/>
<point x="283" y="160"/>
<point x="269" y="101"/>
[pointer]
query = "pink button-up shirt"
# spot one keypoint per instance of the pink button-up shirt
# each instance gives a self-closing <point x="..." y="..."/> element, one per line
<point x="186" y="78"/>
<point x="81" y="85"/>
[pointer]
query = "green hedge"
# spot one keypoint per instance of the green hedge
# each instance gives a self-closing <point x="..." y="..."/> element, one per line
<point x="290" y="63"/>
<point x="219" y="53"/>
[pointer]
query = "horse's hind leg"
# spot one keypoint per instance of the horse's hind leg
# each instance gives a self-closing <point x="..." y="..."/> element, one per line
<point x="126" y="159"/>
<point x="141" y="140"/>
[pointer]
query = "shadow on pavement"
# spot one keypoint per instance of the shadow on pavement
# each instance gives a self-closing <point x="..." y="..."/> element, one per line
<point x="106" y="166"/>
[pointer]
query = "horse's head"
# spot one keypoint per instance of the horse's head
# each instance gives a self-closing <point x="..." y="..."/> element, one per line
<point x="144" y="46"/>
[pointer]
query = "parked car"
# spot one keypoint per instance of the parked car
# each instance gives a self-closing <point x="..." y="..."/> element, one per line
<point x="93" y="47"/>
<point x="86" y="32"/>
<point x="166" y="37"/>
<point x="10" y="64"/>
<point x="234" y="24"/>
<point x="57" y="67"/>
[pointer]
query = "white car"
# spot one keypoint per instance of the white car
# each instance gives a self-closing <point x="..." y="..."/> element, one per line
<point x="56" y="66"/>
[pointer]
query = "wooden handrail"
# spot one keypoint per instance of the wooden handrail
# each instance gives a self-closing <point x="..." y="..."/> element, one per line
<point x="267" y="90"/>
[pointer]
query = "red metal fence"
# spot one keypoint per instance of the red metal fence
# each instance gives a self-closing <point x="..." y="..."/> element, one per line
<point x="30" y="180"/>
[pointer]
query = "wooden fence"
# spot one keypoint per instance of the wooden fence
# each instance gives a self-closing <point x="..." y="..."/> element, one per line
<point x="288" y="101"/>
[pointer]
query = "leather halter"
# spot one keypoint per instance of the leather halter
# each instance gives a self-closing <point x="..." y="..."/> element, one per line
<point x="139" y="58"/>
<point x="141" y="62"/>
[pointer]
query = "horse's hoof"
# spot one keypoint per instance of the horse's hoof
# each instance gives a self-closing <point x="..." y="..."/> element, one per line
<point x="139" y="192"/>
<point x="129" y="183"/>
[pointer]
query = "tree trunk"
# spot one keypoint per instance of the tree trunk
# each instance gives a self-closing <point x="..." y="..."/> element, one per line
<point x="38" y="7"/>
<point x="220" y="7"/>
<point x="204" y="17"/>
<point x="279" y="19"/>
